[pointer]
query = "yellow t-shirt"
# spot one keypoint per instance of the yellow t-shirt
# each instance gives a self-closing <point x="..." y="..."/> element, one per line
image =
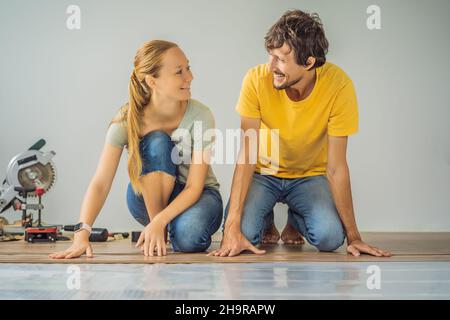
<point x="304" y="126"/>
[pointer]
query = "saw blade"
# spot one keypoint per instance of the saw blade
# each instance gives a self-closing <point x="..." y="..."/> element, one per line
<point x="37" y="175"/>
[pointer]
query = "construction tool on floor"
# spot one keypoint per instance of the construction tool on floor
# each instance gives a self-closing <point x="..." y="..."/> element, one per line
<point x="97" y="234"/>
<point x="135" y="236"/>
<point x="119" y="235"/>
<point x="38" y="233"/>
<point x="30" y="174"/>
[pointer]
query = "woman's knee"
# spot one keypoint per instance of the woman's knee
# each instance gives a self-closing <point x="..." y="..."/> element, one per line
<point x="192" y="231"/>
<point x="188" y="237"/>
<point x="191" y="243"/>
<point x="156" y="143"/>
<point x="156" y="153"/>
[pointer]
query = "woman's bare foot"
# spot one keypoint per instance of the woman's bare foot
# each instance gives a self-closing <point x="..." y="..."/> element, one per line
<point x="291" y="236"/>
<point x="271" y="235"/>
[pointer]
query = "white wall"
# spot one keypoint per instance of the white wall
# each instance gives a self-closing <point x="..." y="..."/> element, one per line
<point x="66" y="85"/>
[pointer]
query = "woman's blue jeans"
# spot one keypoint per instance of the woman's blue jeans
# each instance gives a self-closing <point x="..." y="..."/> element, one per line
<point x="191" y="230"/>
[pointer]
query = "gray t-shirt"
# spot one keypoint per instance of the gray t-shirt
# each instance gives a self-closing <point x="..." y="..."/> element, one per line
<point x="195" y="132"/>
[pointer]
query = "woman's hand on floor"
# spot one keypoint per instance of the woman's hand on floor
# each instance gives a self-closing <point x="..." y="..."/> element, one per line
<point x="79" y="246"/>
<point x="153" y="238"/>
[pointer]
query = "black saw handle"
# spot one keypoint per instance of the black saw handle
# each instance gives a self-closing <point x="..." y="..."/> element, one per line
<point x="24" y="190"/>
<point x="38" y="145"/>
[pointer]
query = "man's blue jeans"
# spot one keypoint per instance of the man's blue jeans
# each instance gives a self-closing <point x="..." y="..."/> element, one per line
<point x="191" y="230"/>
<point x="311" y="209"/>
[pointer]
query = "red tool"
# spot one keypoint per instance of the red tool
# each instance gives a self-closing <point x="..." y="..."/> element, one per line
<point x="38" y="233"/>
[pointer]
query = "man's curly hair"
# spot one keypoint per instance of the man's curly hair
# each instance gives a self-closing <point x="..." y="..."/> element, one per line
<point x="303" y="33"/>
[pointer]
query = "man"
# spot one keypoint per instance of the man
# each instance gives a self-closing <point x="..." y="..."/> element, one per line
<point x="313" y="105"/>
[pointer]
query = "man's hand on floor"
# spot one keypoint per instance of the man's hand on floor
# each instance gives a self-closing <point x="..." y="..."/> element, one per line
<point x="233" y="243"/>
<point x="356" y="247"/>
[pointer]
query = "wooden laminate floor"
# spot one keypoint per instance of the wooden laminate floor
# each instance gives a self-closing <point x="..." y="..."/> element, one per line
<point x="406" y="247"/>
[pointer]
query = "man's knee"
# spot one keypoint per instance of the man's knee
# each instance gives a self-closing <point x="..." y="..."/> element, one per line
<point x="251" y="233"/>
<point x="328" y="237"/>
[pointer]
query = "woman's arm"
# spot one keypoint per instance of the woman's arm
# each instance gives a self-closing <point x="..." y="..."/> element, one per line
<point x="100" y="184"/>
<point x="94" y="199"/>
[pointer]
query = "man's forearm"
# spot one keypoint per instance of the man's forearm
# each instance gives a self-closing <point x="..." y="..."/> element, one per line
<point x="339" y="181"/>
<point x="243" y="175"/>
<point x="243" y="172"/>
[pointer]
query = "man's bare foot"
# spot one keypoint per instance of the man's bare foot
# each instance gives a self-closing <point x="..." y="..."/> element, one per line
<point x="271" y="235"/>
<point x="291" y="236"/>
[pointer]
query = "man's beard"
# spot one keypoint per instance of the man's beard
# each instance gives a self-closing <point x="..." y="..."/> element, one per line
<point x="286" y="85"/>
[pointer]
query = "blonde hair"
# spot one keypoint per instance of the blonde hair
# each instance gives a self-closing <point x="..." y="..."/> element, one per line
<point x="148" y="61"/>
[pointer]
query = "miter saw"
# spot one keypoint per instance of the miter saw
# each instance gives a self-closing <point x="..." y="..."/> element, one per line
<point x="29" y="174"/>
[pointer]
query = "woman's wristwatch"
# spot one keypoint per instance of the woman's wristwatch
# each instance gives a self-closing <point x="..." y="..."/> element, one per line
<point x="82" y="226"/>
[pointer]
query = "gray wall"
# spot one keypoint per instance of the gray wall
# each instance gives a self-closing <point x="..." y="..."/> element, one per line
<point x="66" y="85"/>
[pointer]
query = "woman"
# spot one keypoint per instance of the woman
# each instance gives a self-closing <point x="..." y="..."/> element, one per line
<point x="157" y="127"/>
